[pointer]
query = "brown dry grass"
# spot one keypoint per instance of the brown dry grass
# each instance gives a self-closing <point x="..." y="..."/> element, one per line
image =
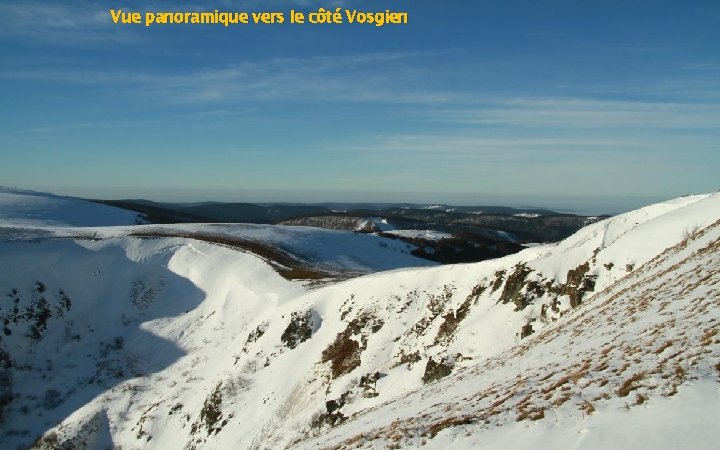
<point x="437" y="427"/>
<point x="630" y="384"/>
<point x="663" y="347"/>
<point x="587" y="407"/>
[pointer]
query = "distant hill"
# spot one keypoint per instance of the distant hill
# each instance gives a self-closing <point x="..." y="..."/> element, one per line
<point x="214" y="212"/>
<point x="469" y="233"/>
<point x="23" y="207"/>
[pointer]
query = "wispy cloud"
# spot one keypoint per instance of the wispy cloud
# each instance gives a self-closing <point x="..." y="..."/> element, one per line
<point x="356" y="79"/>
<point x="475" y="149"/>
<point x="81" y="23"/>
<point x="583" y="113"/>
<point x="69" y="127"/>
<point x="79" y="126"/>
<point x="60" y="23"/>
<point x="698" y="83"/>
<point x="352" y="78"/>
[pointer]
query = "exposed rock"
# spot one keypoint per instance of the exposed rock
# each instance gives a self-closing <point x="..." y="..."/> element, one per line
<point x="499" y="278"/>
<point x="451" y="320"/>
<point x="368" y="383"/>
<point x="526" y="331"/>
<point x="408" y="358"/>
<point x="211" y="415"/>
<point x="512" y="292"/>
<point x="344" y="352"/>
<point x="577" y="284"/>
<point x="435" y="370"/>
<point x="298" y="330"/>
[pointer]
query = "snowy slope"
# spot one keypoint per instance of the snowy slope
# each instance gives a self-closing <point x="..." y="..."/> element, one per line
<point x="29" y="208"/>
<point x="176" y="341"/>
<point x="28" y="215"/>
<point x="637" y="365"/>
<point x="328" y="252"/>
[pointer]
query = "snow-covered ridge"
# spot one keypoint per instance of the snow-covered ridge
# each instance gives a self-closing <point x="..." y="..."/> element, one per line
<point x="177" y="342"/>
<point x="299" y="252"/>
<point x="321" y="252"/>
<point x="29" y="208"/>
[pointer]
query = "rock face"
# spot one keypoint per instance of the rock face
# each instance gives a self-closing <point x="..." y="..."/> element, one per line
<point x="344" y="353"/>
<point x="298" y="330"/>
<point x="171" y="342"/>
<point x="515" y="287"/>
<point x="435" y="370"/>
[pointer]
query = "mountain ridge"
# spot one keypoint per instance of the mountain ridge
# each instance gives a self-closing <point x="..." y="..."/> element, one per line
<point x="261" y="361"/>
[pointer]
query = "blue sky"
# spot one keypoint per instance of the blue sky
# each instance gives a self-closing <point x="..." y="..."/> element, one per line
<point x="571" y="104"/>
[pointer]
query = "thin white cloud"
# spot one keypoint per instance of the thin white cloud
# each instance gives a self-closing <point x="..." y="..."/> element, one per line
<point x="89" y="23"/>
<point x="69" y="127"/>
<point x="355" y="79"/>
<point x="60" y="23"/>
<point x="479" y="149"/>
<point x="584" y="113"/>
<point x="352" y="78"/>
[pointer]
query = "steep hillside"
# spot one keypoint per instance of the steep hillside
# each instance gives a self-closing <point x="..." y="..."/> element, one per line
<point x="167" y="340"/>
<point x="638" y="364"/>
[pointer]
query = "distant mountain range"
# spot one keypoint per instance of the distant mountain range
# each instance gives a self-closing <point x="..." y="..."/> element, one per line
<point x="222" y="212"/>
<point x="471" y="233"/>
